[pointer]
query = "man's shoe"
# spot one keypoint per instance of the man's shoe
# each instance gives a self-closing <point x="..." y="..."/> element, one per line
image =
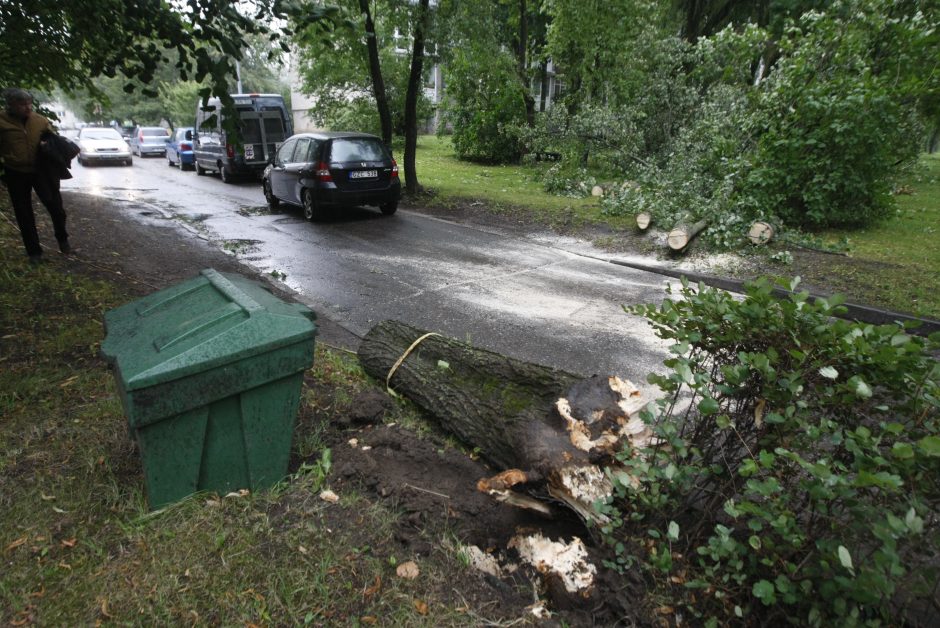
<point x="65" y="247"/>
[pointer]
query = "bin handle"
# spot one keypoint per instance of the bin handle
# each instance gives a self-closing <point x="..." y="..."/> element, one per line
<point x="229" y="289"/>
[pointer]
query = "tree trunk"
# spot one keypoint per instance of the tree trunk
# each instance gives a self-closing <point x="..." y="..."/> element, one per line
<point x="375" y="71"/>
<point x="538" y="424"/>
<point x="643" y="220"/>
<point x="543" y="78"/>
<point x="523" y="68"/>
<point x="484" y="398"/>
<point x="411" y="98"/>
<point x="683" y="233"/>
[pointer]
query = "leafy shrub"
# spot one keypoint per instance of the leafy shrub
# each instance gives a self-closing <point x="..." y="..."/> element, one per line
<point x="575" y="183"/>
<point x="603" y="138"/>
<point x="484" y="106"/>
<point x="795" y="476"/>
<point x="836" y="128"/>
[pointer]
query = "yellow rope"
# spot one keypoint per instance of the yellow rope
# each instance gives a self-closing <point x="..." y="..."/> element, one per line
<point x="402" y="359"/>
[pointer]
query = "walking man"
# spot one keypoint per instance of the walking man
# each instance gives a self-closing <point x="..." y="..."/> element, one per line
<point x="20" y="136"/>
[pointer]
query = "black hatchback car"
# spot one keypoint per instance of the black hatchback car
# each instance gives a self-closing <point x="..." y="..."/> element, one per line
<point x="316" y="170"/>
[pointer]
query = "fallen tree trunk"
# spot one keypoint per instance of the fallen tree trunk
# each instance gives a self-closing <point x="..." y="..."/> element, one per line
<point x="683" y="233"/>
<point x="486" y="399"/>
<point x="536" y="424"/>
<point x="546" y="429"/>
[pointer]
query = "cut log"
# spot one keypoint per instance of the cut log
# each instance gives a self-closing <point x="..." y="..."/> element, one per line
<point x="537" y="424"/>
<point x="643" y="220"/>
<point x="760" y="232"/>
<point x="488" y="400"/>
<point x="683" y="233"/>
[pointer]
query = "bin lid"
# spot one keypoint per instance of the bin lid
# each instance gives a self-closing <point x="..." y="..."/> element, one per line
<point x="206" y="322"/>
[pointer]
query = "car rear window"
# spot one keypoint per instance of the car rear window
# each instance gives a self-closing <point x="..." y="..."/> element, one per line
<point x="154" y="132"/>
<point x="357" y="149"/>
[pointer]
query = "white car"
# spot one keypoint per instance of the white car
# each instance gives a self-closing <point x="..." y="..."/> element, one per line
<point x="102" y="145"/>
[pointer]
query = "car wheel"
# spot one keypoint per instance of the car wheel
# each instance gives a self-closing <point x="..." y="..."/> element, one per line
<point x="80" y="162"/>
<point x="200" y="170"/>
<point x="225" y="174"/>
<point x="169" y="161"/>
<point x="311" y="208"/>
<point x="273" y="201"/>
<point x="389" y="208"/>
<point x="130" y="161"/>
<point x="180" y="163"/>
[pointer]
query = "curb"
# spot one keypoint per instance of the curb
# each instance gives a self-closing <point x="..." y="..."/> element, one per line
<point x="855" y="312"/>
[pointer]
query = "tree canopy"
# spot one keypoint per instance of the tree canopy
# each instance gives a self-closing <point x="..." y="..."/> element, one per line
<point x="46" y="46"/>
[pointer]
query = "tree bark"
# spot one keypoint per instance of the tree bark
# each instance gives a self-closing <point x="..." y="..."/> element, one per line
<point x="411" y="98"/>
<point x="375" y="71"/>
<point x="486" y="399"/>
<point x="523" y="59"/>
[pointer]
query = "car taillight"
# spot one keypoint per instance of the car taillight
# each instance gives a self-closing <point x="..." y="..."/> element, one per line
<point x="394" y="169"/>
<point x="230" y="151"/>
<point x="186" y="146"/>
<point x="323" y="172"/>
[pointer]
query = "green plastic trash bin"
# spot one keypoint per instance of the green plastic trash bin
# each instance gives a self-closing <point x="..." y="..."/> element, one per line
<point x="209" y="373"/>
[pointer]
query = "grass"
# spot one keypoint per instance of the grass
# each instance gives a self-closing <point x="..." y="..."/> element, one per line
<point x="500" y="187"/>
<point x="906" y="274"/>
<point x="78" y="543"/>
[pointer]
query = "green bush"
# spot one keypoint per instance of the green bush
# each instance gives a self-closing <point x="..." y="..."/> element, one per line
<point x="795" y="475"/>
<point x="837" y="125"/>
<point x="484" y="106"/>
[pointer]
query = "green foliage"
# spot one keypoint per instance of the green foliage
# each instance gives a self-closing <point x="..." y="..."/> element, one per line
<point x="806" y="124"/>
<point x="335" y="71"/>
<point x="794" y="469"/>
<point x="484" y="105"/>
<point x="836" y="130"/>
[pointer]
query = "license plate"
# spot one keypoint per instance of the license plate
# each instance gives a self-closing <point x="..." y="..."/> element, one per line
<point x="249" y="151"/>
<point x="364" y="174"/>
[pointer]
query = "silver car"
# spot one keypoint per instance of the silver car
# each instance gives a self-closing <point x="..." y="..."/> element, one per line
<point x="102" y="145"/>
<point x="149" y="140"/>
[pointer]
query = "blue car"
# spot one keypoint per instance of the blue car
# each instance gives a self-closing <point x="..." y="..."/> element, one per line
<point x="179" y="150"/>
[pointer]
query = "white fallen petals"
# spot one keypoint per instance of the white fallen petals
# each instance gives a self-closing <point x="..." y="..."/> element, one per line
<point x="329" y="496"/>
<point x="353" y="442"/>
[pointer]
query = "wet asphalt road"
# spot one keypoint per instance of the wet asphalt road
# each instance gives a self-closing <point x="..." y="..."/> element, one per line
<point x="539" y="298"/>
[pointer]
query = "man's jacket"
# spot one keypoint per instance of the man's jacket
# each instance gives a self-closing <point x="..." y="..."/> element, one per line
<point x="19" y="140"/>
<point x="56" y="154"/>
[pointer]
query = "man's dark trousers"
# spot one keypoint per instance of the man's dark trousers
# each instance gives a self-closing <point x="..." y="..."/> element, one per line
<point x="20" y="185"/>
